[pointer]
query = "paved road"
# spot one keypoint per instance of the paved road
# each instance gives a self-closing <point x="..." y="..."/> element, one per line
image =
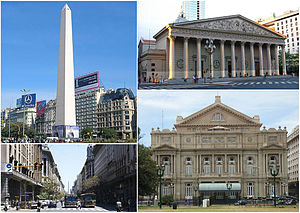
<point x="288" y="82"/>
<point x="60" y="209"/>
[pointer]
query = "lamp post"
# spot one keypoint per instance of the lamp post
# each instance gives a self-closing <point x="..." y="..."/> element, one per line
<point x="160" y="172"/>
<point x="196" y="189"/>
<point x="229" y="187"/>
<point x="210" y="48"/>
<point x="24" y="108"/>
<point x="274" y="170"/>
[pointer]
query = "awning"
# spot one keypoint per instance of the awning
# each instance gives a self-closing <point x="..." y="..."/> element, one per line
<point x="218" y="187"/>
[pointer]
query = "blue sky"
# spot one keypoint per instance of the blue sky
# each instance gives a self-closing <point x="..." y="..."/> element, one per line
<point x="160" y="108"/>
<point x="104" y="40"/>
<point x="70" y="159"/>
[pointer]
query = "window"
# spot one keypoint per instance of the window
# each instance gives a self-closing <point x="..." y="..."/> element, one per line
<point x="206" y="169"/>
<point x="219" y="169"/>
<point x="126" y="116"/>
<point x="188" y="166"/>
<point x="165" y="191"/>
<point x="166" y="162"/>
<point x="127" y="122"/>
<point x="126" y="112"/>
<point x="250" y="169"/>
<point x="189" y="190"/>
<point x="250" y="189"/>
<point x="153" y="64"/>
<point x="217" y="117"/>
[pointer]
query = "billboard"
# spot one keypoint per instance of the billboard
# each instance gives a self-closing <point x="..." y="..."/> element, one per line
<point x="40" y="107"/>
<point x="72" y="132"/>
<point x="19" y="103"/>
<point x="58" y="131"/>
<point x="87" y="82"/>
<point x="28" y="100"/>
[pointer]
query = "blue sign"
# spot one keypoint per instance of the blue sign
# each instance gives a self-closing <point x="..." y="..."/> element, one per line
<point x="19" y="102"/>
<point x="9" y="165"/>
<point x="29" y="100"/>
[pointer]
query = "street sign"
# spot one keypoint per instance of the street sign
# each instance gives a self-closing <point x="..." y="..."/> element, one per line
<point x="9" y="167"/>
<point x="6" y="167"/>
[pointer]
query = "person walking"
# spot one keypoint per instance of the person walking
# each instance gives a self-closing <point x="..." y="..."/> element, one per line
<point x="119" y="206"/>
<point x="79" y="204"/>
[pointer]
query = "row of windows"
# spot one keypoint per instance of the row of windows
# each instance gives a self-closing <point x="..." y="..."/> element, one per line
<point x="286" y="21"/>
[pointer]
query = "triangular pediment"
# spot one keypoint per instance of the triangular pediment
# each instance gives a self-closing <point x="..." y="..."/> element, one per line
<point x="235" y="23"/>
<point x="218" y="115"/>
<point x="164" y="147"/>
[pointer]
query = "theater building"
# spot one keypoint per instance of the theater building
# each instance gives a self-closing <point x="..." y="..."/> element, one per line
<point x="243" y="48"/>
<point x="216" y="146"/>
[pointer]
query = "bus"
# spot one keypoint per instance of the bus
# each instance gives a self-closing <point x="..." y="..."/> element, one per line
<point x="70" y="201"/>
<point x="88" y="200"/>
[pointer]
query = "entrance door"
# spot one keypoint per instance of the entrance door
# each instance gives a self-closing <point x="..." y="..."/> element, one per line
<point x="196" y="70"/>
<point x="202" y="68"/>
<point x="256" y="68"/>
<point x="229" y="69"/>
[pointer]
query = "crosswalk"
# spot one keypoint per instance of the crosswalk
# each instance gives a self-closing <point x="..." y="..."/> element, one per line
<point x="265" y="83"/>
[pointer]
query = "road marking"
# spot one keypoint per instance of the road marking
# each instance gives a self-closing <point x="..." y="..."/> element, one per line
<point x="276" y="82"/>
<point x="246" y="83"/>
<point x="282" y="82"/>
<point x="264" y="82"/>
<point x="252" y="83"/>
<point x="270" y="82"/>
<point x="257" y="82"/>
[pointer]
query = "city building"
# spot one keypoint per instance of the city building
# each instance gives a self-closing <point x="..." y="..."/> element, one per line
<point x="117" y="110"/>
<point x="21" y="180"/>
<point x="46" y="120"/>
<point x="50" y="171"/>
<point x="216" y="146"/>
<point x="87" y="97"/>
<point x="16" y="115"/>
<point x="243" y="48"/>
<point x="286" y="24"/>
<point x="293" y="161"/>
<point x="193" y="10"/>
<point x="5" y="117"/>
<point x="115" y="165"/>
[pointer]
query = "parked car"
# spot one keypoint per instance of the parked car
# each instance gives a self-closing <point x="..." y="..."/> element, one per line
<point x="240" y="203"/>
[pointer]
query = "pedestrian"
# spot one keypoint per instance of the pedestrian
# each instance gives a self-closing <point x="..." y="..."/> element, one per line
<point x="79" y="204"/>
<point x="194" y="79"/>
<point x="119" y="206"/>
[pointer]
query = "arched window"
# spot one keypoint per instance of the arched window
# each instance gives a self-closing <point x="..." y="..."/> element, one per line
<point x="272" y="160"/>
<point x="166" y="162"/>
<point x="250" y="166"/>
<point x="188" y="166"/>
<point x="231" y="166"/>
<point x="218" y="117"/>
<point x="206" y="165"/>
<point x="219" y="165"/>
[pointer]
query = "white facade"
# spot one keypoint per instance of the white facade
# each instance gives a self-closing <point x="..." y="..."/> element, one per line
<point x="17" y="115"/>
<point x="65" y="94"/>
<point x="293" y="155"/>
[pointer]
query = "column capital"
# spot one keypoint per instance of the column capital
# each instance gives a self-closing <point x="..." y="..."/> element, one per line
<point x="186" y="38"/>
<point x="260" y="44"/>
<point x="199" y="39"/>
<point x="268" y="45"/>
<point x="243" y="42"/>
<point x="222" y="41"/>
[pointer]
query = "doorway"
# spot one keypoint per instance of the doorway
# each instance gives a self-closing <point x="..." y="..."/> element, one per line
<point x="229" y="69"/>
<point x="257" y="68"/>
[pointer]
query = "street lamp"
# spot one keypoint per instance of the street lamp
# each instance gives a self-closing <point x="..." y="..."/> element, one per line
<point x="229" y="187"/>
<point x="210" y="48"/>
<point x="160" y="172"/>
<point x="274" y="170"/>
<point x="24" y="108"/>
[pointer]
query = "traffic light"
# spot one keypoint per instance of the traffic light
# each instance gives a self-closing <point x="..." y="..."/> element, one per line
<point x="40" y="166"/>
<point x="35" y="164"/>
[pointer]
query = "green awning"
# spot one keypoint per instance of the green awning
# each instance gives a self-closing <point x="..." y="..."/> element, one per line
<point x="218" y="187"/>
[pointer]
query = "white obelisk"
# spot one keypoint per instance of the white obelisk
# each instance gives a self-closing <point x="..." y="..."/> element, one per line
<point x="65" y="94"/>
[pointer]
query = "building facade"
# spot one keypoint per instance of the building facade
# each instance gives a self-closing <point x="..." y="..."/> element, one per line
<point x="193" y="10"/>
<point x="86" y="108"/>
<point x="46" y="120"/>
<point x="219" y="145"/>
<point x="50" y="171"/>
<point x="22" y="179"/>
<point x="117" y="110"/>
<point x="286" y="24"/>
<point x="16" y="115"/>
<point x="243" y="48"/>
<point x="293" y="161"/>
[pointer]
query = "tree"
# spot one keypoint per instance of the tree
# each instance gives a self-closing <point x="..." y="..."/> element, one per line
<point x="148" y="179"/>
<point x="109" y="133"/>
<point x="50" y="189"/>
<point x="16" y="130"/>
<point x="167" y="199"/>
<point x="86" y="132"/>
<point x="91" y="184"/>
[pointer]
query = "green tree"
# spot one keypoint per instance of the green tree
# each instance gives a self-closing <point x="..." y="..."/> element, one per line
<point x="91" y="184"/>
<point x="16" y="130"/>
<point x="148" y="179"/>
<point x="167" y="199"/>
<point x="109" y="133"/>
<point x="50" y="189"/>
<point x="87" y="132"/>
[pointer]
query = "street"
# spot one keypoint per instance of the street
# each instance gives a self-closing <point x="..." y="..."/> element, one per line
<point x="274" y="82"/>
<point x="60" y="209"/>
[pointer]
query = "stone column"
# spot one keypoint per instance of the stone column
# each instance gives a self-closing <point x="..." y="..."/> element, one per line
<point x="243" y="58"/>
<point x="199" y="63"/>
<point x="225" y="162"/>
<point x="233" y="71"/>
<point x="222" y="59"/>
<point x="261" y="61"/>
<point x="186" y="57"/>
<point x="171" y="57"/>
<point x="252" y="64"/>
<point x="276" y="60"/>
<point x="283" y="60"/>
<point x="269" y="59"/>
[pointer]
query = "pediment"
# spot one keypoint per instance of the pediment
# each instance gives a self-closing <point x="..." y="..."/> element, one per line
<point x="218" y="115"/>
<point x="236" y="23"/>
<point x="164" y="147"/>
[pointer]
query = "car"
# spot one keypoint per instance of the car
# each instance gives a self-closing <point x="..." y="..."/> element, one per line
<point x="32" y="205"/>
<point x="291" y="202"/>
<point x="52" y="204"/>
<point x="240" y="203"/>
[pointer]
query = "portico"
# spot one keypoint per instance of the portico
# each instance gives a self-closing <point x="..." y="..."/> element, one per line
<point x="243" y="48"/>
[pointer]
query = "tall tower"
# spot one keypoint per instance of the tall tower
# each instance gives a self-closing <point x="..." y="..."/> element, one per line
<point x="193" y="10"/>
<point x="65" y="94"/>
